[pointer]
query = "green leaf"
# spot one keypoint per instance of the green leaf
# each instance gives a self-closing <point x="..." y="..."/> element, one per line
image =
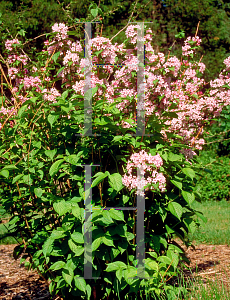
<point x="58" y="234"/>
<point x="125" y="198"/>
<point x="38" y="192"/>
<point x="57" y="265"/>
<point x="10" y="167"/>
<point x="16" y="178"/>
<point x="114" y="266"/>
<point x="152" y="254"/>
<point x="191" y="225"/>
<point x="117" y="138"/>
<point x="188" y="197"/>
<point x="37" y="144"/>
<point x="176" y="209"/>
<point x="119" y="274"/>
<point x="129" y="235"/>
<point x="114" y="252"/>
<point x="78" y="237"/>
<point x="106" y="217"/>
<point x="14" y="220"/>
<point x="173" y="257"/>
<point x="73" y="158"/>
<point x="152" y="264"/>
<point x="80" y="283"/>
<point x="59" y="71"/>
<point x="189" y="172"/>
<point x="177" y="184"/>
<point x="116" y="214"/>
<point x="107" y="241"/>
<point x="88" y="291"/>
<point x="129" y="274"/>
<point x="201" y="216"/>
<point x="99" y="179"/>
<point x="47" y="246"/>
<point x="75" y="200"/>
<point x="115" y="181"/>
<point x="77" y="250"/>
<point x="55" y="56"/>
<point x="68" y="275"/>
<point x="64" y="94"/>
<point x="21" y="111"/>
<point x="62" y="207"/>
<point x="5" y="173"/>
<point x="55" y="167"/>
<point x="51" y="287"/>
<point x="165" y="259"/>
<point x="169" y="229"/>
<point x="174" y="157"/>
<point x="76" y="211"/>
<point x="52" y="118"/>
<point x="96" y="243"/>
<point x="155" y="243"/>
<point x="51" y="153"/>
<point x="94" y="12"/>
<point x="27" y="179"/>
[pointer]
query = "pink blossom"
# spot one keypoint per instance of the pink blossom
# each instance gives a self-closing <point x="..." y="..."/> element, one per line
<point x="13" y="72"/>
<point x="32" y="82"/>
<point x="9" y="43"/>
<point x="148" y="166"/>
<point x="51" y="95"/>
<point x="61" y="30"/>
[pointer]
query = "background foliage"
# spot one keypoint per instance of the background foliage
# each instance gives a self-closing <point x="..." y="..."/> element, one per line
<point x="168" y="17"/>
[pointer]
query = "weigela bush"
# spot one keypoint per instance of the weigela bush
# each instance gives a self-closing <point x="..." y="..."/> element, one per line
<point x="44" y="149"/>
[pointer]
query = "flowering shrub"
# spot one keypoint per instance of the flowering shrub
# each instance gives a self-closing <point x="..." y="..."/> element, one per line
<point x="138" y="160"/>
<point x="44" y="150"/>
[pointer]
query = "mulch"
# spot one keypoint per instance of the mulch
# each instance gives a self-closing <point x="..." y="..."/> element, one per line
<point x="16" y="282"/>
<point x="209" y="262"/>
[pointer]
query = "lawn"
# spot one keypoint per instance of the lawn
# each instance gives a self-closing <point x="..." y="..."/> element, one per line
<point x="217" y="229"/>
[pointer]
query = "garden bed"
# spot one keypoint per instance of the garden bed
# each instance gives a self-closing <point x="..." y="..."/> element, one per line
<point x="209" y="262"/>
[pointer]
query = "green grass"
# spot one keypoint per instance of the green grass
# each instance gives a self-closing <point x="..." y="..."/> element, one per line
<point x="194" y="288"/>
<point x="217" y="229"/>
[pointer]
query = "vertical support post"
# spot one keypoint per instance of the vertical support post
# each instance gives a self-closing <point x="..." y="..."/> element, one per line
<point x="140" y="232"/>
<point x="140" y="81"/>
<point x="88" y="86"/>
<point x="88" y="225"/>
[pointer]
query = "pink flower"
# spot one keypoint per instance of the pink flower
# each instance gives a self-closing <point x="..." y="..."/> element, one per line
<point x="32" y="82"/>
<point x="51" y="95"/>
<point x="61" y="30"/>
<point x="9" y="43"/>
<point x="148" y="166"/>
<point x="13" y="72"/>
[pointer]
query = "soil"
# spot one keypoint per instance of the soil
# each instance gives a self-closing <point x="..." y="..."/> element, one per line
<point x="209" y="262"/>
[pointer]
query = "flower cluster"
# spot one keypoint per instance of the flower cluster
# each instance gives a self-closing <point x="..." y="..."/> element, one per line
<point x="227" y="63"/>
<point x="9" y="43"/>
<point x="51" y="95"/>
<point x="170" y="84"/>
<point x="148" y="167"/>
<point x="190" y="45"/>
<point x="132" y="33"/>
<point x="31" y="81"/>
<point x="61" y="30"/>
